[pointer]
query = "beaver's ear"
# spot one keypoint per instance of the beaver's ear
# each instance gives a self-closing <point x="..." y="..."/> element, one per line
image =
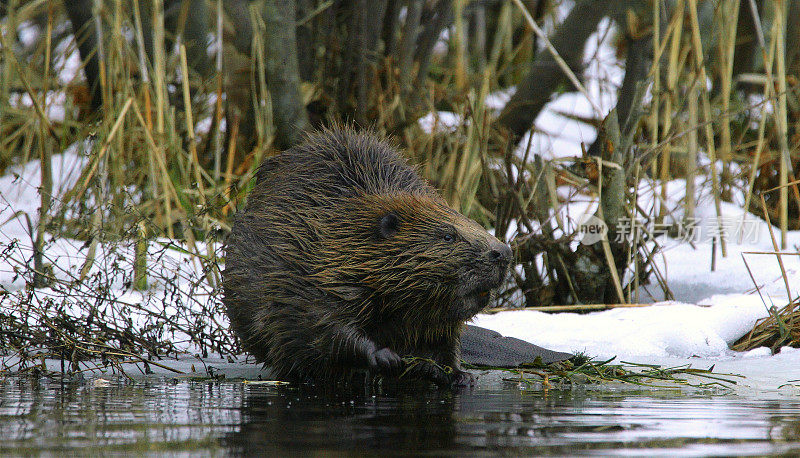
<point x="388" y="225"/>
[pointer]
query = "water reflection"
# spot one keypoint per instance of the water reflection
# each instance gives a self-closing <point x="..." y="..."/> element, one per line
<point x="281" y="419"/>
<point x="52" y="414"/>
<point x="159" y="415"/>
<point x="516" y="421"/>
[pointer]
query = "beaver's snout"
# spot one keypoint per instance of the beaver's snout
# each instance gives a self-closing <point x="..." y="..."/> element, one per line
<point x="500" y="253"/>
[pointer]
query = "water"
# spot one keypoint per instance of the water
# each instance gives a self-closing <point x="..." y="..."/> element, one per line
<point x="55" y="416"/>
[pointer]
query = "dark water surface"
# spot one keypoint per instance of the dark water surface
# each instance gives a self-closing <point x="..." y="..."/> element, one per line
<point x="182" y="416"/>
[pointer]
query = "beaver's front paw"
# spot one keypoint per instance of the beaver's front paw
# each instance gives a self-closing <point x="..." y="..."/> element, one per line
<point x="385" y="361"/>
<point x="463" y="378"/>
<point x="428" y="370"/>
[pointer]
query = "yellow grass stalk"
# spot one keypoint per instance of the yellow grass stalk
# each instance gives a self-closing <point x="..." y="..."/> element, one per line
<point x="145" y="75"/>
<point x="774" y="241"/>
<point x="187" y="101"/>
<point x="691" y="152"/>
<point x="168" y="188"/>
<point x="140" y="258"/>
<point x="46" y="187"/>
<point x="709" y="130"/>
<point x="11" y="32"/>
<point x="218" y="105"/>
<point x="781" y="118"/>
<point x="459" y="36"/>
<point x="37" y="105"/>
<point x="673" y="70"/>
<point x="159" y="66"/>
<point x="612" y="265"/>
<point x="655" y="106"/>
<point x="727" y="44"/>
<point x="762" y="120"/>
<point x="160" y="159"/>
<point x="230" y="204"/>
<point x="503" y="30"/>
<point x="101" y="59"/>
<point x="87" y="176"/>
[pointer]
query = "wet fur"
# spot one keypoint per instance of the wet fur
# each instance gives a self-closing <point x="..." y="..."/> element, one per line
<point x="343" y="250"/>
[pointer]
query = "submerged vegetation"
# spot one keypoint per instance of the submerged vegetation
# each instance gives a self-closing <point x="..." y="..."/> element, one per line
<point x="582" y="371"/>
<point x="149" y="119"/>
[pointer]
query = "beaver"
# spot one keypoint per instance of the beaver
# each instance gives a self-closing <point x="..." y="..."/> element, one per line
<point x="345" y="259"/>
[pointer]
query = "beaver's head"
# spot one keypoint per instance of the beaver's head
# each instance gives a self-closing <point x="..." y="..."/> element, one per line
<point x="420" y="256"/>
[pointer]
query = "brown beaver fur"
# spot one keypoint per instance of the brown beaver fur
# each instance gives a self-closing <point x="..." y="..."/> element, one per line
<point x="344" y="258"/>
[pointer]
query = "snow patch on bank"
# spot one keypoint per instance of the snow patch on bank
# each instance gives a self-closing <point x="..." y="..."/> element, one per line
<point x="661" y="330"/>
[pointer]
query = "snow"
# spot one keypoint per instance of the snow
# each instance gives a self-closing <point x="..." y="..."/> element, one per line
<point x="68" y="62"/>
<point x="660" y="330"/>
<point x="54" y="105"/>
<point x="440" y="121"/>
<point x="19" y="185"/>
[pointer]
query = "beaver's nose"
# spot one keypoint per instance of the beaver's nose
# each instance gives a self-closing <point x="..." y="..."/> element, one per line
<point x="500" y="253"/>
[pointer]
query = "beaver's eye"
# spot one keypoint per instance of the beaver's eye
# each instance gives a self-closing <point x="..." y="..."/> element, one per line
<point x="449" y="237"/>
<point x="388" y="225"/>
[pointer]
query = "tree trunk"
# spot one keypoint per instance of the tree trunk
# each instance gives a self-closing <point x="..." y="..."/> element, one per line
<point x="545" y="76"/>
<point x="283" y="75"/>
<point x="637" y="65"/>
<point x="80" y="15"/>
